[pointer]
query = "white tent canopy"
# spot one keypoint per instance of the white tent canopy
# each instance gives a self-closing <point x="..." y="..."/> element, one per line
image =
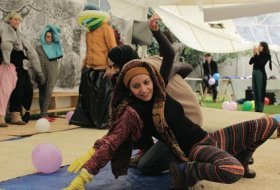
<point x="260" y="28"/>
<point x="187" y="25"/>
<point x="185" y="19"/>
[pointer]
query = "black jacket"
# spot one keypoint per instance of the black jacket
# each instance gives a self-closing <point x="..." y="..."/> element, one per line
<point x="210" y="69"/>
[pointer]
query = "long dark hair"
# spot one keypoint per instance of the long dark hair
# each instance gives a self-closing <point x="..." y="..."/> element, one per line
<point x="122" y="54"/>
<point x="266" y="51"/>
<point x="265" y="48"/>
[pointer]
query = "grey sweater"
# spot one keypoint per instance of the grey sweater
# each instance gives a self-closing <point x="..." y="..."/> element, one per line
<point x="12" y="39"/>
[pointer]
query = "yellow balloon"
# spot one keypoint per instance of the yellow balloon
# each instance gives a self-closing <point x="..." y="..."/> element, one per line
<point x="253" y="104"/>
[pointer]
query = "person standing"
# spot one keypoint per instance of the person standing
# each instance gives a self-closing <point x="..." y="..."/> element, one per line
<point x="8" y="80"/>
<point x="15" y="49"/>
<point x="49" y="51"/>
<point x="210" y="68"/>
<point x="260" y="57"/>
<point x="95" y="89"/>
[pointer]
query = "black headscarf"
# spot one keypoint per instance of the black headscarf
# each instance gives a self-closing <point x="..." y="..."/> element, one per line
<point x="122" y="54"/>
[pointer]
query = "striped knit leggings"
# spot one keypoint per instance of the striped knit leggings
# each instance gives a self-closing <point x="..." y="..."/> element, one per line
<point x="213" y="158"/>
<point x="50" y="70"/>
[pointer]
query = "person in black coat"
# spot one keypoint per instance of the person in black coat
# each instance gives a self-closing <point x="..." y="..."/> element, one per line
<point x="210" y="68"/>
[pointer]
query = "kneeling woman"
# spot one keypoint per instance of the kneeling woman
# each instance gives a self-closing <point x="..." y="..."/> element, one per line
<point x="141" y="105"/>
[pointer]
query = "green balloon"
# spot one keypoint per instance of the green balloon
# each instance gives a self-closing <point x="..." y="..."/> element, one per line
<point x="247" y="106"/>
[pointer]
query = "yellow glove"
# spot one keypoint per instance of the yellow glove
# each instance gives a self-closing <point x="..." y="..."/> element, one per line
<point x="79" y="162"/>
<point x="80" y="181"/>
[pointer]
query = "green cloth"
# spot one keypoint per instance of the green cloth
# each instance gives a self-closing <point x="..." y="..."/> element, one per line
<point x="93" y="23"/>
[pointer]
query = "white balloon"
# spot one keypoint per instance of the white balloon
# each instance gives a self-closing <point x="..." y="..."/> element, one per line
<point x="226" y="105"/>
<point x="211" y="81"/>
<point x="42" y="125"/>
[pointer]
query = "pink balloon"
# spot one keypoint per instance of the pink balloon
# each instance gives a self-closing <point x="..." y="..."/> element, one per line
<point x="226" y="105"/>
<point x="233" y="106"/>
<point x="69" y="115"/>
<point x="266" y="101"/>
<point x="211" y="81"/>
<point x="46" y="158"/>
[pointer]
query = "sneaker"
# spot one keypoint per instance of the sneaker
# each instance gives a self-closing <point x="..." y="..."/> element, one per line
<point x="50" y="119"/>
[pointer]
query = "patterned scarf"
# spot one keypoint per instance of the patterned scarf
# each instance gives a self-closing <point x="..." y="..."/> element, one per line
<point x="122" y="97"/>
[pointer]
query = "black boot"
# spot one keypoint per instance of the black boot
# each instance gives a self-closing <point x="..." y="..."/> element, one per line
<point x="251" y="161"/>
<point x="247" y="172"/>
<point x="26" y="117"/>
<point x="245" y="162"/>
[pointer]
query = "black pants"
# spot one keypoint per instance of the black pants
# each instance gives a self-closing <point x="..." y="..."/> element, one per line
<point x="259" y="88"/>
<point x="23" y="93"/>
<point x="156" y="160"/>
<point x="213" y="88"/>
